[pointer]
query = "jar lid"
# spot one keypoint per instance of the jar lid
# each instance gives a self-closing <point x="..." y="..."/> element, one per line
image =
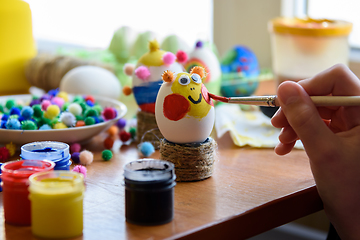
<point x="149" y="170"/>
<point x="25" y="168"/>
<point x="310" y="27"/>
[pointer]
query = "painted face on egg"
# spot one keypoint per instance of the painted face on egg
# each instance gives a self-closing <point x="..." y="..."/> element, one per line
<point x="190" y="87"/>
<point x="184" y="111"/>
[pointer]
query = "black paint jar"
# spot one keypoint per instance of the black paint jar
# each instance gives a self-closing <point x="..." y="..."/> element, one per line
<point x="149" y="192"/>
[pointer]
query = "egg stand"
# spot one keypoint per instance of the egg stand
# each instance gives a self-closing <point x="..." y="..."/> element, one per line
<point x="193" y="161"/>
<point x="146" y="123"/>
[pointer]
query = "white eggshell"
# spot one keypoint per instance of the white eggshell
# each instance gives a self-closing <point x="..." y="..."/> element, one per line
<point x="209" y="59"/>
<point x="185" y="130"/>
<point x="91" y="80"/>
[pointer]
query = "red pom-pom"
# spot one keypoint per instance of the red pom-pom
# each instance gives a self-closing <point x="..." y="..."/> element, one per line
<point x="124" y="136"/>
<point x="181" y="56"/>
<point x="90" y="98"/>
<point x="75" y="147"/>
<point x="108" y="143"/>
<point x="109" y="113"/>
<point x="4" y="154"/>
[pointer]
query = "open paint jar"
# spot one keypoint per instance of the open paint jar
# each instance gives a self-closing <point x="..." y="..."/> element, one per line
<point x="57" y="152"/>
<point x="301" y="48"/>
<point x="15" y="177"/>
<point x="149" y="192"/>
<point x="57" y="204"/>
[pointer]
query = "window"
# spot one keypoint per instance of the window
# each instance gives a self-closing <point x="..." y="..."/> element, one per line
<point x="92" y="23"/>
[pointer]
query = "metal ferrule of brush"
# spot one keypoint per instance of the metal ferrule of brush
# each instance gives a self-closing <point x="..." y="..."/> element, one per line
<point x="255" y="100"/>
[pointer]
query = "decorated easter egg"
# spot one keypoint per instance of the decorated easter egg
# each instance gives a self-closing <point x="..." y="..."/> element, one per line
<point x="121" y="43"/>
<point x="146" y="77"/>
<point x="91" y="80"/>
<point x="184" y="111"/>
<point x="204" y="57"/>
<point x="174" y="43"/>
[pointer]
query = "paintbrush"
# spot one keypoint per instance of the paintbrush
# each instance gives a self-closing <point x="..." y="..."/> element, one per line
<point x="272" y="101"/>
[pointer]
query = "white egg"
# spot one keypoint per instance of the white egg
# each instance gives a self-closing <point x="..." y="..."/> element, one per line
<point x="91" y="80"/>
<point x="187" y="129"/>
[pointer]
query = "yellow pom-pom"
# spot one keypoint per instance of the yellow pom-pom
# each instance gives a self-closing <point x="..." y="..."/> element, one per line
<point x="52" y="111"/>
<point x="59" y="125"/>
<point x="63" y="95"/>
<point x="12" y="148"/>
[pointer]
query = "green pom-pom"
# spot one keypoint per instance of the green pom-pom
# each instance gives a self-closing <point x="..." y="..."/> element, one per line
<point x="78" y="99"/>
<point x="89" y="121"/>
<point x="37" y="110"/>
<point x="106" y="155"/>
<point x="83" y="106"/>
<point x="10" y="103"/>
<point x="91" y="113"/>
<point x="1" y="108"/>
<point x="28" y="125"/>
<point x="98" y="108"/>
<point x="79" y="117"/>
<point x="132" y="132"/>
<point x="65" y="106"/>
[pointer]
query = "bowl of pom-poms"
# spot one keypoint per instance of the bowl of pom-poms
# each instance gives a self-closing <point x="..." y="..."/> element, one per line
<point x="240" y="72"/>
<point x="56" y="116"/>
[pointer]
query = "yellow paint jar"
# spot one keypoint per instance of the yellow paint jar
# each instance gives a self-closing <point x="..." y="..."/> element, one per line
<point x="17" y="46"/>
<point x="57" y="204"/>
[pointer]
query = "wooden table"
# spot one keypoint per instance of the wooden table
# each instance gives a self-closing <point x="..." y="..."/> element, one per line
<point x="250" y="192"/>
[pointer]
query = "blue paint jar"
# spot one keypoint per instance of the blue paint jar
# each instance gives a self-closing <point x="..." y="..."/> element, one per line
<point x="149" y="192"/>
<point x="57" y="152"/>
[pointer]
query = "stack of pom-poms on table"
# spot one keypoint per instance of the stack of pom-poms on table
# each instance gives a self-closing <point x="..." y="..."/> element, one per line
<point x="53" y="110"/>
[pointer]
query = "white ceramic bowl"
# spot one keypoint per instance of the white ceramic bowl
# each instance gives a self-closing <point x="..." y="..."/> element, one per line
<point x="68" y="135"/>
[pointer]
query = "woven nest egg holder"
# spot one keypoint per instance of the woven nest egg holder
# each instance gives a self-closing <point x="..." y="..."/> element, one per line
<point x="147" y="128"/>
<point x="193" y="162"/>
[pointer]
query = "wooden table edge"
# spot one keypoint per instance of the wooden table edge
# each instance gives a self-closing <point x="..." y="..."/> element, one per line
<point x="256" y="220"/>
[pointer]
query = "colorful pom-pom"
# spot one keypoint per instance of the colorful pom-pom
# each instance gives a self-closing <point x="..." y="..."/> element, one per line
<point x="113" y="130"/>
<point x="109" y="113"/>
<point x="75" y="109"/>
<point x="75" y="157"/>
<point x="27" y="112"/>
<point x="90" y="98"/>
<point x="169" y="58"/>
<point x="127" y="90"/>
<point x="10" y="103"/>
<point x="132" y="132"/>
<point x="142" y="72"/>
<point x="45" y="104"/>
<point x="86" y="157"/>
<point x="124" y="136"/>
<point x="59" y="125"/>
<point x="37" y="110"/>
<point x="128" y="69"/>
<point x="12" y="148"/>
<point x="106" y="155"/>
<point x="52" y="111"/>
<point x="68" y="119"/>
<point x="75" y="147"/>
<point x="45" y="127"/>
<point x="63" y="95"/>
<point x="109" y="142"/>
<point x="181" y="56"/>
<point x="80" y="123"/>
<point x="13" y="123"/>
<point x="89" y="121"/>
<point x="15" y="111"/>
<point x="28" y="125"/>
<point x="4" y="154"/>
<point x="121" y="123"/>
<point x="146" y="149"/>
<point x="80" y="169"/>
<point x="58" y="101"/>
<point x="91" y="113"/>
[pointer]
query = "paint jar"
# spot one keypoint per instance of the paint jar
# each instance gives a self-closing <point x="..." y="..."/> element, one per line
<point x="303" y="47"/>
<point x="15" y="177"/>
<point x="57" y="204"/>
<point x="149" y="192"/>
<point x="57" y="152"/>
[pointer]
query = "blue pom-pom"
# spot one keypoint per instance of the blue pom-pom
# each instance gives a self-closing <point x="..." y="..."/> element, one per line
<point x="45" y="127"/>
<point x="13" y="123"/>
<point x="146" y="149"/>
<point x="53" y="92"/>
<point x="3" y="124"/>
<point x="15" y="111"/>
<point x="5" y="117"/>
<point x="121" y="123"/>
<point x="90" y="103"/>
<point x="75" y="157"/>
<point x="27" y="112"/>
